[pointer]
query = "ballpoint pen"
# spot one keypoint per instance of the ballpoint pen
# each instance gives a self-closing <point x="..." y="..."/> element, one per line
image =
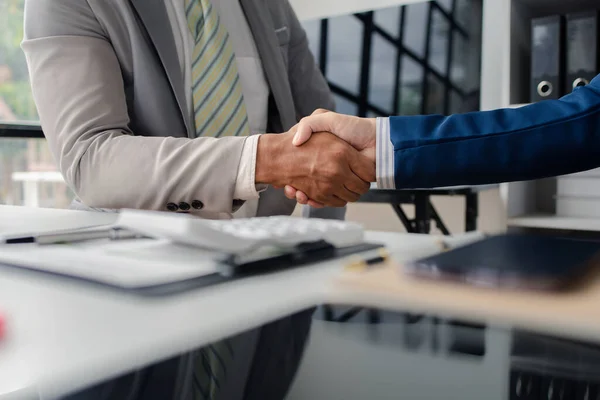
<point x="78" y="235"/>
<point x="361" y="264"/>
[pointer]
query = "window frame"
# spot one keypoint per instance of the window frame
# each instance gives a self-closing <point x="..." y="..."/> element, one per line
<point x="20" y="130"/>
<point x="371" y="28"/>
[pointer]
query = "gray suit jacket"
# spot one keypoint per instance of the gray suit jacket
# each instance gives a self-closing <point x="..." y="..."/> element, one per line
<point x="111" y="101"/>
<point x="110" y="97"/>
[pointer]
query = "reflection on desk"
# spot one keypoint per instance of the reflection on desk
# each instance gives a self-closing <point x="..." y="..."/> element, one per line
<point x="433" y="358"/>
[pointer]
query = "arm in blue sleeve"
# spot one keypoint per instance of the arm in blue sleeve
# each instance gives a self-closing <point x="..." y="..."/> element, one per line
<point x="549" y="138"/>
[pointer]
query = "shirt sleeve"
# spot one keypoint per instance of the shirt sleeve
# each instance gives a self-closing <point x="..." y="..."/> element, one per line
<point x="384" y="161"/>
<point x="245" y="187"/>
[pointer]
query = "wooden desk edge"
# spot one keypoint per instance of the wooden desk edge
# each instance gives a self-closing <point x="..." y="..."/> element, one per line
<point x="571" y="314"/>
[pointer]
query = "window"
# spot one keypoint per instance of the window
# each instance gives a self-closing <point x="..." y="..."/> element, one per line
<point x="456" y="103"/>
<point x="388" y="19"/>
<point x="345" y="106"/>
<point x="420" y="58"/>
<point x="383" y="74"/>
<point x="344" y="53"/>
<point x="438" y="42"/>
<point x="313" y="33"/>
<point x="28" y="174"/>
<point x="411" y="89"/>
<point x="415" y="28"/>
<point x="435" y="95"/>
<point x="16" y="102"/>
<point x="445" y="4"/>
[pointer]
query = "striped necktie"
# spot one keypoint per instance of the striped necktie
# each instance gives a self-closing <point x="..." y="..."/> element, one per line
<point x="218" y="101"/>
<point x="219" y="110"/>
<point x="210" y="369"/>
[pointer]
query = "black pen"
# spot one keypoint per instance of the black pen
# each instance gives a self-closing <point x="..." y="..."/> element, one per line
<point x="77" y="235"/>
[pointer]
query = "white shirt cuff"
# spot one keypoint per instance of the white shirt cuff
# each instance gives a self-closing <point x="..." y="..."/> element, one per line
<point x="245" y="187"/>
<point x="384" y="162"/>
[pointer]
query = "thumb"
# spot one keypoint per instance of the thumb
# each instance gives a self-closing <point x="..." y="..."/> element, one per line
<point x="308" y="125"/>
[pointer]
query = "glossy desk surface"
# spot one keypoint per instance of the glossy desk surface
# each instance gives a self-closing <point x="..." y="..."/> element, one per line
<point x="413" y="358"/>
<point x="63" y="336"/>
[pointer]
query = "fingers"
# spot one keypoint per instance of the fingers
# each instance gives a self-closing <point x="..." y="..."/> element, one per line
<point x="335" y="201"/>
<point x="347" y="195"/>
<point x="301" y="197"/>
<point x="363" y="167"/>
<point x="316" y="112"/>
<point x="338" y="199"/>
<point x="318" y="122"/>
<point x="290" y="192"/>
<point x="320" y="111"/>
<point x="314" y="204"/>
<point x="357" y="185"/>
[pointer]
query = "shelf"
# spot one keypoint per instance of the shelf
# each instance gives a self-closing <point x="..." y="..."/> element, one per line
<point x="506" y="83"/>
<point x="542" y="221"/>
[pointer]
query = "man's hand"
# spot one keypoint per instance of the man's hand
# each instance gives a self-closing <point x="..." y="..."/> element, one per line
<point x="327" y="169"/>
<point x="359" y="132"/>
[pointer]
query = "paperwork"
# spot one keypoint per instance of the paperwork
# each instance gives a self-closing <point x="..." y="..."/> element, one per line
<point x="14" y="222"/>
<point x="179" y="253"/>
<point x="127" y="264"/>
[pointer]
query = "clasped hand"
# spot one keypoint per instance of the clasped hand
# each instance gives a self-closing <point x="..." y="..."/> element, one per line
<point x="326" y="169"/>
<point x="360" y="133"/>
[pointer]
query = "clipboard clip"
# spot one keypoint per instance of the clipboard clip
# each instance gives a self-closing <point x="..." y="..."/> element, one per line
<point x="276" y="258"/>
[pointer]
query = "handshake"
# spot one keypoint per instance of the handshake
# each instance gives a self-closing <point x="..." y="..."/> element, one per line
<point x="327" y="159"/>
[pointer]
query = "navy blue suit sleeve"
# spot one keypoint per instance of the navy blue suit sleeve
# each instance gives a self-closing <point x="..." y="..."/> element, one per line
<point x="549" y="138"/>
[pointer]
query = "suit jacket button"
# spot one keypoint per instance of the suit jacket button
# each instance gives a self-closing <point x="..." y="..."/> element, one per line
<point x="172" y="207"/>
<point x="197" y="204"/>
<point x="183" y="206"/>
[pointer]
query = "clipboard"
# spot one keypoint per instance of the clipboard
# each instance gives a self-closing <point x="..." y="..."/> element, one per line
<point x="227" y="268"/>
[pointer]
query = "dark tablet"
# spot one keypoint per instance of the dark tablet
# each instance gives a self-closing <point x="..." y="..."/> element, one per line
<point x="513" y="260"/>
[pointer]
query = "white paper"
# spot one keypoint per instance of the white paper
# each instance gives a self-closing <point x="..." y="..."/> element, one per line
<point x="128" y="263"/>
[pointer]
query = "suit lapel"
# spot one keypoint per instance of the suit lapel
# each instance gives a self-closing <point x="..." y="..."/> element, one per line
<point x="263" y="32"/>
<point x="153" y="15"/>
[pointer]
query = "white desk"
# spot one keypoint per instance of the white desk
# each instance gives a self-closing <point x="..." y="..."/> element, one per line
<point x="63" y="336"/>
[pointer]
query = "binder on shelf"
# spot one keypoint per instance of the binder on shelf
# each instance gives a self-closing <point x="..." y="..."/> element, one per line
<point x="547" y="57"/>
<point x="581" y="48"/>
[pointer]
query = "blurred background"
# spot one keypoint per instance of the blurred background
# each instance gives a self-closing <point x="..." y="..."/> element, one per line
<point x="419" y="58"/>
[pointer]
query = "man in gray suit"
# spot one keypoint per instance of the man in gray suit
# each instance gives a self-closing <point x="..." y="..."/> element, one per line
<point x="164" y="105"/>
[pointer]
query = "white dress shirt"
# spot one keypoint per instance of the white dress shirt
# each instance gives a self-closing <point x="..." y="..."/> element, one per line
<point x="384" y="155"/>
<point x="255" y="89"/>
